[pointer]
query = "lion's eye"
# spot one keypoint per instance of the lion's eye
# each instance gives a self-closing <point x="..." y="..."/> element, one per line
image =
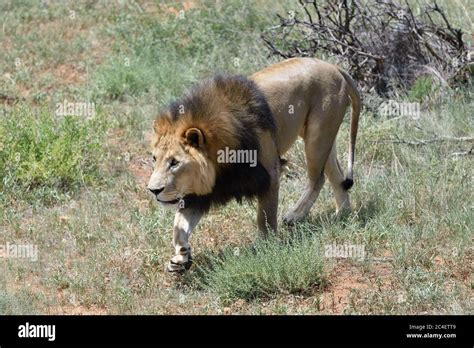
<point x="154" y="158"/>
<point x="173" y="162"/>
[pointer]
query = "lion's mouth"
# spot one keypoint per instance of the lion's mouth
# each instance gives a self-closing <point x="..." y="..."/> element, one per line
<point x="174" y="201"/>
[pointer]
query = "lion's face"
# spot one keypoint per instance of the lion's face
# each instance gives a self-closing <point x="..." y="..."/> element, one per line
<point x="181" y="166"/>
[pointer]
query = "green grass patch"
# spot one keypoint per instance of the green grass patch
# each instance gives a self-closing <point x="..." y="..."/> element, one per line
<point x="423" y="87"/>
<point x="265" y="269"/>
<point x="41" y="151"/>
<point x="22" y="302"/>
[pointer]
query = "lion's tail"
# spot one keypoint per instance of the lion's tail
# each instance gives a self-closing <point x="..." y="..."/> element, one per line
<point x="356" y="106"/>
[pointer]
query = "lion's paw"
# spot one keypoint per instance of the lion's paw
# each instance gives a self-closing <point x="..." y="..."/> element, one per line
<point x="290" y="218"/>
<point x="179" y="264"/>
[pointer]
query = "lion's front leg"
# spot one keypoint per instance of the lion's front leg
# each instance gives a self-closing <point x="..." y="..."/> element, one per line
<point x="184" y="222"/>
<point x="268" y="205"/>
<point x="267" y="211"/>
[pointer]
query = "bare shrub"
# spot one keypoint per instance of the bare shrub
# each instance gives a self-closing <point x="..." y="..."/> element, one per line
<point x="383" y="43"/>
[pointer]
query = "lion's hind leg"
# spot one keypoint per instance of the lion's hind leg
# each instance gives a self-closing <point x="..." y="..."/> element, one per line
<point x="334" y="174"/>
<point x="317" y="152"/>
<point x="319" y="136"/>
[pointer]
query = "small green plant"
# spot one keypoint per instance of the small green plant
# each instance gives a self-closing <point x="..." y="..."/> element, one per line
<point x="423" y="87"/>
<point x="39" y="150"/>
<point x="267" y="268"/>
<point x="22" y="302"/>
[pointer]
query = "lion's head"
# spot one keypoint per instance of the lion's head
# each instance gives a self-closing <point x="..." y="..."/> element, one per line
<point x="181" y="164"/>
<point x="217" y="114"/>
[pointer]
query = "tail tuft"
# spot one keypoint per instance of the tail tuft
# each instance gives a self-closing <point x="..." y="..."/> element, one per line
<point x="347" y="184"/>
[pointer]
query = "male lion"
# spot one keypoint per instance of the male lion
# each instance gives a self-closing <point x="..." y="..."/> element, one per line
<point x="264" y="113"/>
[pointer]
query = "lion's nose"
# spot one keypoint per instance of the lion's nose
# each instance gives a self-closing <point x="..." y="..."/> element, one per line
<point x="156" y="192"/>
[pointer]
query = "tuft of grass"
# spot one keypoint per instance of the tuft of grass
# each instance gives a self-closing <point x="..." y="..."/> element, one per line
<point x="22" y="302"/>
<point x="267" y="268"/>
<point x="422" y="88"/>
<point x="40" y="151"/>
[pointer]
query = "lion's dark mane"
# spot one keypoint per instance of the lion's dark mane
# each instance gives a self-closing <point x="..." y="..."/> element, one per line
<point x="234" y="180"/>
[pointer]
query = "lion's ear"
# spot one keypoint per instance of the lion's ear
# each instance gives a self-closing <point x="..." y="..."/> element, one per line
<point x="194" y="137"/>
<point x="162" y="122"/>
